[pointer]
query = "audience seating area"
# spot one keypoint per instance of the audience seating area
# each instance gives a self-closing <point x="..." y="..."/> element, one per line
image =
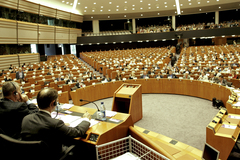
<point x="107" y="33"/>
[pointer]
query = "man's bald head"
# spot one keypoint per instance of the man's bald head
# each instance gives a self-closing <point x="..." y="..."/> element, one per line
<point x="45" y="97"/>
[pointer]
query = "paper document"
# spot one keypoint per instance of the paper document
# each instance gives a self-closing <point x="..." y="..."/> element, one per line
<point x="229" y="126"/>
<point x="75" y="123"/>
<point x="110" y="113"/>
<point x="234" y="117"/>
<point x="236" y="91"/>
<point x="128" y="156"/>
<point x="236" y="104"/>
<point x="67" y="106"/>
<point x="34" y="101"/>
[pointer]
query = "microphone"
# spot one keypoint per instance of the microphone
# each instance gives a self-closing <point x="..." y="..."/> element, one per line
<point x="81" y="100"/>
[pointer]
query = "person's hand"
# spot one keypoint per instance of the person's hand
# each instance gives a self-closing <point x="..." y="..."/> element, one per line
<point x="87" y="115"/>
<point x="24" y="98"/>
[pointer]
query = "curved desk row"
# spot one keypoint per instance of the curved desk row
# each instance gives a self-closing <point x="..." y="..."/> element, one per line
<point x="205" y="90"/>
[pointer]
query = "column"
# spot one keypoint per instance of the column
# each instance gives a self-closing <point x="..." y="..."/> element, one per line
<point x="134" y="25"/>
<point x="95" y="25"/>
<point x="174" y="22"/>
<point x="217" y="17"/>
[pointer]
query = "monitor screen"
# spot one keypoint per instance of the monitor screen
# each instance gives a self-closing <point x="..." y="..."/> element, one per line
<point x="210" y="153"/>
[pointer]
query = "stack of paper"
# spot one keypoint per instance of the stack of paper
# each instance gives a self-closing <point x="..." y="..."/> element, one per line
<point x="110" y="113"/>
<point x="237" y="104"/>
<point x="67" y="106"/>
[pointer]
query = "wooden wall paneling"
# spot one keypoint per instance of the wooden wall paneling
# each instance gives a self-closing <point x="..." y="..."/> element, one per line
<point x="27" y="58"/>
<point x="9" y="4"/>
<point x="76" y="18"/>
<point x="6" y="60"/>
<point x="27" y="33"/>
<point x="29" y="7"/>
<point x="73" y="34"/>
<point x="61" y="35"/>
<point x="8" y="31"/>
<point x="63" y="15"/>
<point x="47" y="11"/>
<point x="46" y="34"/>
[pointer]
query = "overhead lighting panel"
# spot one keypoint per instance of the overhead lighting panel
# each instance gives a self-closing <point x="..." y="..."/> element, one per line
<point x="178" y="7"/>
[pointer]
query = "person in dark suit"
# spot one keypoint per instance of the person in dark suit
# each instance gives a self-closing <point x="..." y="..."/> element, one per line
<point x="173" y="59"/>
<point x="159" y="75"/>
<point x="41" y="126"/>
<point x="20" y="74"/>
<point x="171" y="75"/>
<point x="7" y="78"/>
<point x="11" y="67"/>
<point x="70" y="80"/>
<point x="31" y="69"/>
<point x="13" y="108"/>
<point x="222" y="81"/>
<point x="59" y="78"/>
<point x="79" y="83"/>
<point x="106" y="78"/>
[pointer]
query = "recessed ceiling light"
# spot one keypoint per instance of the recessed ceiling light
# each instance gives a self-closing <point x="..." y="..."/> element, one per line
<point x="149" y="4"/>
<point x="86" y="7"/>
<point x="85" y="11"/>
<point x="165" y="2"/>
<point x="165" y="6"/>
<point x="233" y="35"/>
<point x="93" y="10"/>
<point x="174" y="5"/>
<point x="106" y="42"/>
<point x="157" y="6"/>
<point x="91" y="17"/>
<point x="149" y="7"/>
<point x="158" y="13"/>
<point x="133" y="5"/>
<point x="217" y="0"/>
<point x="101" y="6"/>
<point x="122" y="42"/>
<point x="219" y="7"/>
<point x="98" y="43"/>
<point x="223" y="36"/>
<point x="199" y="2"/>
<point x="189" y="0"/>
<point x="182" y="11"/>
<point x="114" y="42"/>
<point x="109" y="10"/>
<point x="181" y="4"/>
<point x="117" y="6"/>
<point x="200" y="9"/>
<point x="175" y="11"/>
<point x="190" y="3"/>
<point x="94" y="3"/>
<point x="141" y="8"/>
<point x="207" y="1"/>
<point x="110" y="2"/>
<point x="108" y="16"/>
<point x="81" y="44"/>
<point x="125" y="2"/>
<point x="156" y="0"/>
<point x="155" y="40"/>
<point x="67" y="2"/>
<point x="141" y="14"/>
<point x="133" y="8"/>
<point x="125" y="15"/>
<point x="140" y="0"/>
<point x="130" y="41"/>
<point x="71" y="4"/>
<point x="173" y="39"/>
<point x="63" y="1"/>
<point x="117" y="9"/>
<point x="125" y="9"/>
<point x="100" y="10"/>
<point x="79" y="3"/>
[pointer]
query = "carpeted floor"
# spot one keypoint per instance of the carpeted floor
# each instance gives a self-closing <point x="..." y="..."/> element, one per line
<point x="182" y="118"/>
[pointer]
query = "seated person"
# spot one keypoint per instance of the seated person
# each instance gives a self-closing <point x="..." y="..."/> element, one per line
<point x="212" y="78"/>
<point x="151" y="71"/>
<point x="203" y="76"/>
<point x="132" y="75"/>
<point x="7" y="78"/>
<point x="50" y="72"/>
<point x="70" y="80"/>
<point x="11" y="67"/>
<point x="13" y="108"/>
<point x="186" y="75"/>
<point x="145" y="75"/>
<point x="106" y="78"/>
<point x="233" y="74"/>
<point x="92" y="76"/>
<point x="159" y="75"/>
<point x="171" y="75"/>
<point x="118" y="76"/>
<point x="59" y="78"/>
<point x="222" y="81"/>
<point x="79" y="83"/>
<point x="42" y="127"/>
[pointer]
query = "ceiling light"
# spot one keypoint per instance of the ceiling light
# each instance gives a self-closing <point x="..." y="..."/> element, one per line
<point x="217" y="0"/>
<point x="140" y="0"/>
<point x="63" y="1"/>
<point x="110" y="2"/>
<point x="198" y="2"/>
<point x="178" y="6"/>
<point x="106" y="42"/>
<point x="147" y="40"/>
<point x="175" y="11"/>
<point x="149" y="4"/>
<point x="122" y="42"/>
<point x="108" y="16"/>
<point x="117" y="6"/>
<point x="100" y="10"/>
<point x="125" y="2"/>
<point x="101" y="6"/>
<point x="165" y="2"/>
<point x="79" y="3"/>
<point x="158" y="13"/>
<point x="125" y="9"/>
<point x="149" y="7"/>
<point x="130" y="41"/>
<point x="98" y="43"/>
<point x="71" y="4"/>
<point x="200" y="9"/>
<point x="114" y="42"/>
<point x="94" y="3"/>
<point x="182" y="11"/>
<point x="194" y="38"/>
<point x="85" y="11"/>
<point x="109" y="10"/>
<point x="190" y="3"/>
<point x="117" y="9"/>
<point x="189" y="0"/>
<point x="156" y="0"/>
<point x="141" y="14"/>
<point x="67" y="2"/>
<point x="181" y="5"/>
<point x="90" y="44"/>
<point x="155" y="40"/>
<point x="165" y="6"/>
<point x="81" y="44"/>
<point x="91" y="17"/>
<point x="125" y="15"/>
<point x="93" y="10"/>
<point x="133" y="5"/>
<point x="233" y="35"/>
<point x="207" y="1"/>
<point x="174" y="5"/>
<point x="164" y="40"/>
<point x="133" y="8"/>
<point x="86" y="7"/>
<point x="173" y="39"/>
<point x="223" y="36"/>
<point x="219" y="7"/>
<point x="141" y="8"/>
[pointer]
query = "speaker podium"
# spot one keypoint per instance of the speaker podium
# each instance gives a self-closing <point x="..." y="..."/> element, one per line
<point x="128" y="99"/>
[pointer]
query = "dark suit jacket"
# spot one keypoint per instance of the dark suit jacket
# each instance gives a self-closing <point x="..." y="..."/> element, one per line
<point x="11" y="115"/>
<point x="142" y="76"/>
<point x="69" y="81"/>
<point x="59" y="78"/>
<point x="17" y="75"/>
<point x="160" y="76"/>
<point x="173" y="76"/>
<point x="41" y="126"/>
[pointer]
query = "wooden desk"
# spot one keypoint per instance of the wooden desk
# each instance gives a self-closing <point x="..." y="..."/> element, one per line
<point x="221" y="137"/>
